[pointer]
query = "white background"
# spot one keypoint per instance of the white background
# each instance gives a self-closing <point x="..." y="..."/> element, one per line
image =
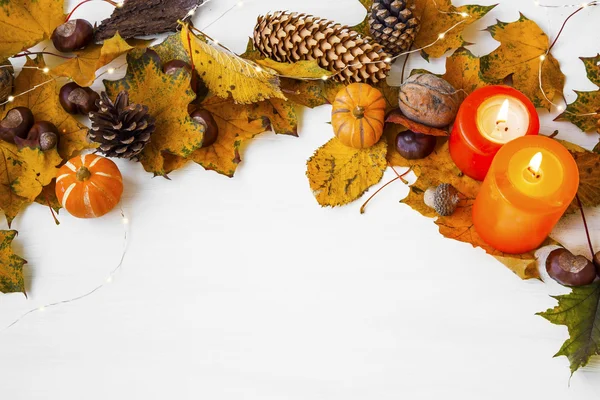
<point x="246" y="288"/>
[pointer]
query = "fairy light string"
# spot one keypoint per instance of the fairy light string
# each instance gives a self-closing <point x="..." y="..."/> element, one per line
<point x="544" y="56"/>
<point x="107" y="280"/>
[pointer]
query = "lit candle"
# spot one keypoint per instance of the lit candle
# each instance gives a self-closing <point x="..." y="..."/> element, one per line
<point x="530" y="184"/>
<point x="487" y="119"/>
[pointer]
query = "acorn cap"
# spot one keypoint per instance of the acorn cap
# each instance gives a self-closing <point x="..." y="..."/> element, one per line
<point x="443" y="199"/>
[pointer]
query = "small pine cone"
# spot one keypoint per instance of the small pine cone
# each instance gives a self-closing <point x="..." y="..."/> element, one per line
<point x="393" y="24"/>
<point x="6" y="81"/>
<point x="291" y="37"/>
<point x="122" y="129"/>
<point x="443" y="199"/>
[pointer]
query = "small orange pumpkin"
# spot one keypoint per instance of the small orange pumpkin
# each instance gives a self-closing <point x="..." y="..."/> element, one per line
<point x="358" y="115"/>
<point x="89" y="186"/>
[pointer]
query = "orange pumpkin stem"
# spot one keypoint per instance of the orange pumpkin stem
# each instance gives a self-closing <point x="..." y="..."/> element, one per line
<point x="83" y="173"/>
<point x="359" y="112"/>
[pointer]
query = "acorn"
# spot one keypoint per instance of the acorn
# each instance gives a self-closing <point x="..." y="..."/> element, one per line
<point x="443" y="199"/>
<point x="17" y="123"/>
<point x="72" y="35"/>
<point x="78" y="100"/>
<point x="211" y="129"/>
<point x="414" y="146"/>
<point x="568" y="269"/>
<point x="43" y="135"/>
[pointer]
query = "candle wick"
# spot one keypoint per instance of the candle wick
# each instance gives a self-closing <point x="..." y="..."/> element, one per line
<point x="535" y="174"/>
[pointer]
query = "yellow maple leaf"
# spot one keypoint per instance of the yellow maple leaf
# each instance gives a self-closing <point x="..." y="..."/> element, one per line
<point x="24" y="23"/>
<point x="279" y="115"/>
<point x="37" y="170"/>
<point x="339" y="174"/>
<point x="226" y="74"/>
<point x="463" y="72"/>
<point x="439" y="168"/>
<point x="523" y="44"/>
<point x="235" y="127"/>
<point x="300" y="69"/>
<point x="82" y="68"/>
<point x="11" y="265"/>
<point x="11" y="168"/>
<point x="45" y="106"/>
<point x="437" y="17"/>
<point x="167" y="97"/>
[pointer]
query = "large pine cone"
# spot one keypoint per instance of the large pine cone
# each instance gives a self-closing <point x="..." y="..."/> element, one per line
<point x="122" y="129"/>
<point x="291" y="37"/>
<point x="393" y="24"/>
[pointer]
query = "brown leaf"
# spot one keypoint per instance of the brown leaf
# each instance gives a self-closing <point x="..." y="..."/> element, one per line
<point x="339" y="174"/>
<point x="522" y="43"/>
<point x="397" y="117"/>
<point x="588" y="164"/>
<point x="439" y="168"/>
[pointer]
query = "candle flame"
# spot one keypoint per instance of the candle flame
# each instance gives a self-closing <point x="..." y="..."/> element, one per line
<point x="536" y="162"/>
<point x="503" y="113"/>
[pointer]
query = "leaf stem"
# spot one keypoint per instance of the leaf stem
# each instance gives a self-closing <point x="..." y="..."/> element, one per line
<point x="31" y="53"/>
<point x="56" y="221"/>
<point x="585" y="225"/>
<point x="87" y="1"/>
<point x="398" y="177"/>
<point x="565" y="23"/>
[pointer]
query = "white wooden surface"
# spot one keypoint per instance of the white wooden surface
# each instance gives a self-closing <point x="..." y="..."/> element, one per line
<point x="247" y="289"/>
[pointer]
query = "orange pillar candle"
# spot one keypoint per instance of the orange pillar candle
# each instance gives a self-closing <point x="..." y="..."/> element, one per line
<point x="530" y="184"/>
<point x="487" y="119"/>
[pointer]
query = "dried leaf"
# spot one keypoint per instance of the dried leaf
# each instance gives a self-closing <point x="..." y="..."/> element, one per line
<point x="580" y="312"/>
<point x="397" y="117"/>
<point x="235" y="128"/>
<point x="167" y="97"/>
<point x="45" y="106"/>
<point x="11" y="265"/>
<point x="521" y="44"/>
<point x="11" y="168"/>
<point x="339" y="174"/>
<point x="463" y="72"/>
<point x="277" y="114"/>
<point x="300" y="69"/>
<point x="38" y="170"/>
<point x="588" y="164"/>
<point x="24" y="23"/>
<point x="439" y="168"/>
<point x="172" y="48"/>
<point x="48" y="197"/>
<point x="310" y="94"/>
<point x="82" y="68"/>
<point x="363" y="28"/>
<point x="585" y="110"/>
<point x="226" y="74"/>
<point x="439" y="16"/>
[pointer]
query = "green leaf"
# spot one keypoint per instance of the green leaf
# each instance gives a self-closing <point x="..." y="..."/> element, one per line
<point x="11" y="265"/>
<point x="580" y="312"/>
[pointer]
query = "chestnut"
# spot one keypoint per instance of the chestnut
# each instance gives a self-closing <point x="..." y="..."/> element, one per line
<point x="597" y="262"/>
<point x="17" y="123"/>
<point x="414" y="146"/>
<point x="72" y="35"/>
<point x="78" y="100"/>
<point x="43" y="135"/>
<point x="211" y="130"/>
<point x="568" y="269"/>
<point x="154" y="56"/>
<point x="196" y="83"/>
